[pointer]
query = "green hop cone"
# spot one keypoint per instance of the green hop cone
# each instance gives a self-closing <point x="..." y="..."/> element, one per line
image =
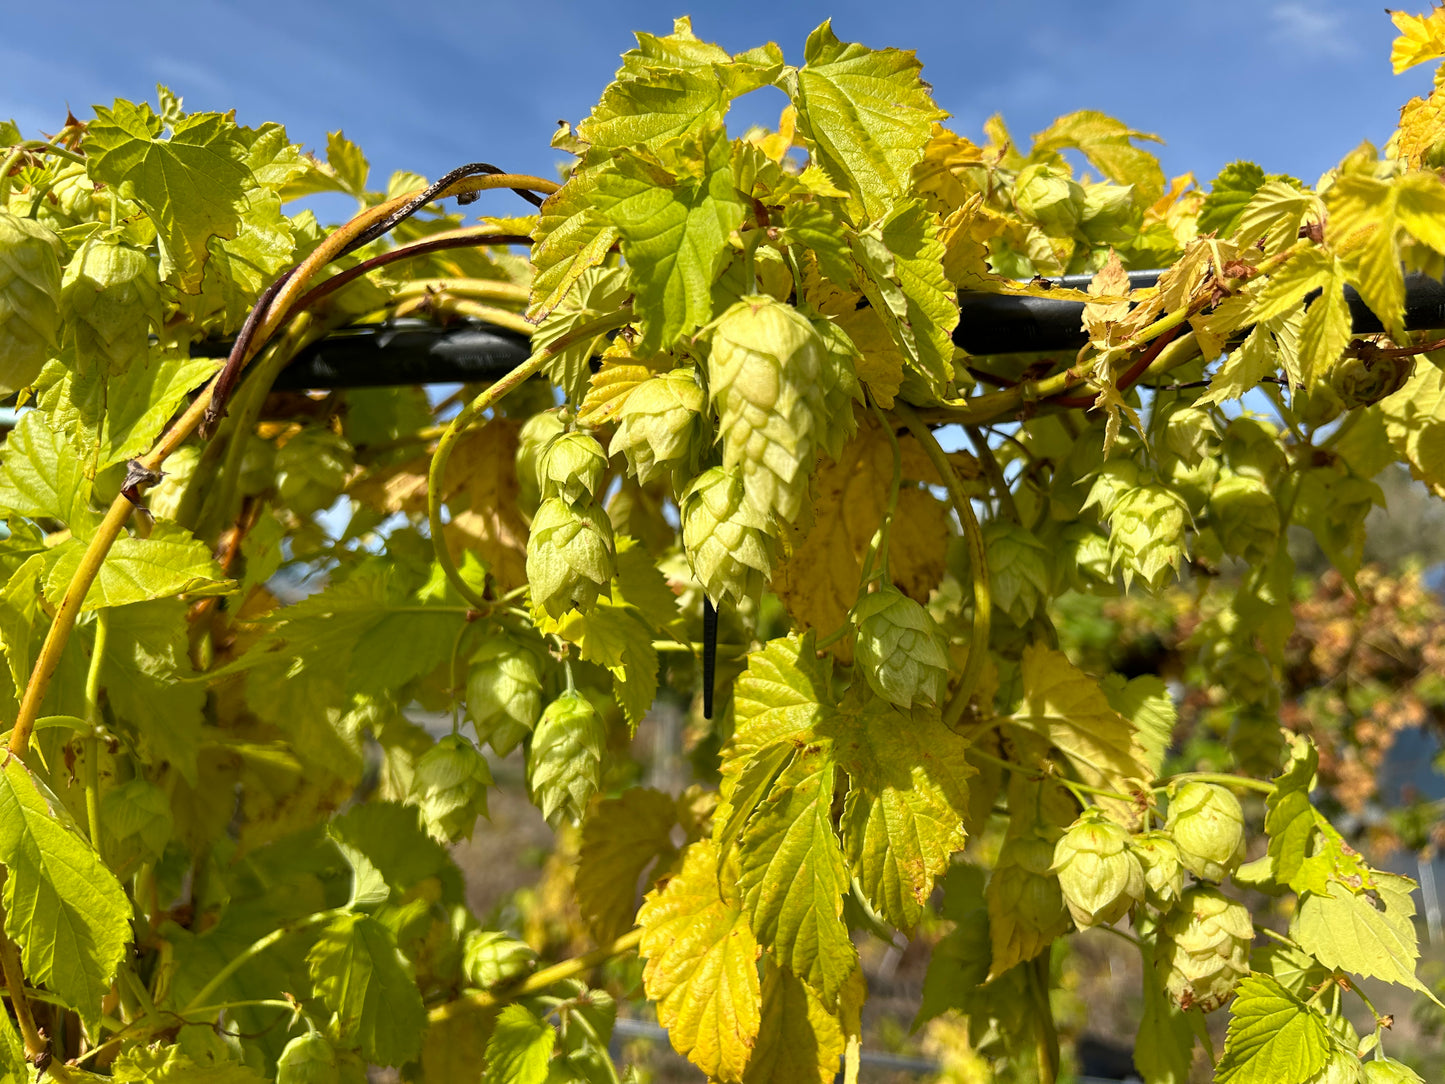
<point x="1255" y="740"/>
<point x="1146" y="534"/>
<point x="1051" y="198"/>
<point x="1163" y="872"/>
<point x="1100" y="876"/>
<point x="1207" y="825"/>
<point x="308" y="1059"/>
<point x="564" y="763"/>
<point x="449" y="784"/>
<point x="138" y="823"/>
<point x="311" y="470"/>
<point x="1107" y="212"/>
<point x="660" y="426"/>
<point x="1245" y="515"/>
<point x="504" y="693"/>
<point x="902" y="651"/>
<point x="111" y="297"/>
<point x="1390" y="1071"/>
<point x="725" y="537"/>
<point x="1203" y="950"/>
<point x="570" y="556"/>
<point x="765" y="370"/>
<point x="491" y="958"/>
<point x="536" y="434"/>
<point x="572" y="467"/>
<point x="1368" y="376"/>
<point x="1026" y="909"/>
<point x="29" y="299"/>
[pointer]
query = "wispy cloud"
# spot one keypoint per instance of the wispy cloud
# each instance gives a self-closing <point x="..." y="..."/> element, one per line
<point x="1310" y="31"/>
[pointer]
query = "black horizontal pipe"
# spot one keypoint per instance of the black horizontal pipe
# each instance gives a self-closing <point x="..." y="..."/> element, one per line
<point x="416" y="352"/>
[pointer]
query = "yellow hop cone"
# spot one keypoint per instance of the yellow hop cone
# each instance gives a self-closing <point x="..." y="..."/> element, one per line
<point x="725" y="537"/>
<point x="765" y="371"/>
<point x="660" y="425"/>
<point x="1100" y="876"/>
<point x="570" y="556"/>
<point x="564" y="763"/>
<point x="1207" y="825"/>
<point x="504" y="693"/>
<point x="491" y="958"/>
<point x="1204" y="949"/>
<point x="572" y="467"/>
<point x="1163" y="871"/>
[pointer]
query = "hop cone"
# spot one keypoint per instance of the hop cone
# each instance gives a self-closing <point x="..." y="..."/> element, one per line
<point x="1204" y="949"/>
<point x="570" y="555"/>
<point x="111" y="295"/>
<point x="504" y="693"/>
<point x="491" y="958"/>
<point x="1245" y="515"/>
<point x="900" y="647"/>
<point x="660" y="425"/>
<point x="1207" y="825"/>
<point x="537" y="432"/>
<point x="29" y="299"/>
<point x="1026" y="910"/>
<point x="572" y="467"/>
<point x="1390" y="1071"/>
<point x="1163" y="872"/>
<point x="725" y="537"/>
<point x="311" y="470"/>
<point x="1366" y="378"/>
<point x="765" y="371"/>
<point x="564" y="764"/>
<point x="449" y="784"/>
<point x="308" y="1059"/>
<point x="1100" y="876"/>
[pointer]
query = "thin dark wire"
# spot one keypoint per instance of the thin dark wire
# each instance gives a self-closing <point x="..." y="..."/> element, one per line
<point x="709" y="654"/>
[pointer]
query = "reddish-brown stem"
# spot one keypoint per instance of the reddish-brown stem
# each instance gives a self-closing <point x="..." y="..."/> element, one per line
<point x="1134" y="372"/>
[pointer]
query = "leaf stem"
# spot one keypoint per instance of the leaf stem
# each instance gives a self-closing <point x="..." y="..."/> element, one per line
<point x="488" y="398"/>
<point x="538" y="980"/>
<point x="92" y="716"/>
<point x="1223" y="778"/>
<point x="252" y="951"/>
<point x="978" y="555"/>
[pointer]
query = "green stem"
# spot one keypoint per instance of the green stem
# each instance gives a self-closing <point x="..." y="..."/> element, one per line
<point x="436" y="475"/>
<point x="92" y="716"/>
<point x="878" y="547"/>
<point x="253" y="950"/>
<point x="539" y="980"/>
<point x="1048" y="1035"/>
<point x="973" y="534"/>
<point x="15" y="984"/>
<point x="1222" y="778"/>
<point x="993" y="473"/>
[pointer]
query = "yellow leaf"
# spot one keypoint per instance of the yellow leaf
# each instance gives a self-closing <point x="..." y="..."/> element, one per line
<point x="702" y="965"/>
<point x="1422" y="38"/>
<point x="1325" y="332"/>
<point x="1422" y="128"/>
<point x="1415" y="423"/>
<point x="1066" y="706"/>
<point x="965" y="234"/>
<point x="1362" y="227"/>
<point x="819" y="580"/>
<point x="1110" y="286"/>
<point x="1420" y="207"/>
<point x="482" y="472"/>
<point x="1108" y="145"/>
<point x="620" y="838"/>
<point x="777" y="144"/>
<point x="941" y="177"/>
<point x="619" y="372"/>
<point x="879" y="364"/>
<point x="800" y="1039"/>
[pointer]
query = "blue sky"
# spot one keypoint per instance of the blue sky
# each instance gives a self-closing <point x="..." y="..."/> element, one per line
<point x="1291" y="84"/>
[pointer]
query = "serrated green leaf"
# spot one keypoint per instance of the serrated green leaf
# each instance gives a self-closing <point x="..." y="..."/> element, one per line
<point x="1273" y="1037"/>
<point x="42" y="477"/>
<point x="1244" y="367"/>
<point x="1109" y="144"/>
<point x="192" y="185"/>
<point x="1414" y="421"/>
<point x="1369" y="933"/>
<point x="1298" y="972"/>
<point x="793" y="875"/>
<point x="907" y="800"/>
<point x="599" y="291"/>
<point x="653" y="108"/>
<point x="621" y="837"/>
<point x="359" y="975"/>
<point x="866" y="114"/>
<point x="800" y="1040"/>
<point x="145" y="674"/>
<point x="780" y="696"/>
<point x="391" y="838"/>
<point x="674" y="213"/>
<point x="903" y="280"/>
<point x="170" y="1065"/>
<point x="67" y="912"/>
<point x="570" y="237"/>
<point x="1274" y="214"/>
<point x="15" y="1068"/>
<point x="1146" y="703"/>
<point x="702" y="964"/>
<point x="19" y="613"/>
<point x="618" y="638"/>
<point x="520" y="1047"/>
<point x="760" y="771"/>
<point x="1067" y="707"/>
<point x="1290" y="822"/>
<point x="1229" y="194"/>
<point x="1164" y="1046"/>
<point x="171" y="561"/>
<point x="348" y="163"/>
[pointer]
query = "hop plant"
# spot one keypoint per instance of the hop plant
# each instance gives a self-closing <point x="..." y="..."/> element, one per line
<point x="564" y="763"/>
<point x="1026" y="909"/>
<point x="660" y="426"/>
<point x="504" y="693"/>
<point x="1390" y="1071"/>
<point x="570" y="556"/>
<point x="164" y="499"/>
<point x="765" y="370"/>
<point x="841" y="389"/>
<point x="536" y="435"/>
<point x="111" y="294"/>
<point x="1146" y="533"/>
<point x="902" y="651"/>
<point x="1368" y="376"/>
<point x="29" y="299"/>
<point x="1207" y="825"/>
<point x="725" y="537"/>
<point x="1245" y="515"/>
<point x="572" y="467"/>
<point x="1203" y="950"/>
<point x="449" y="784"/>
<point x="1163" y="871"/>
<point x="1100" y="876"/>
<point x="1051" y="198"/>
<point x="491" y="958"/>
<point x="311" y="470"/>
<point x="308" y="1059"/>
